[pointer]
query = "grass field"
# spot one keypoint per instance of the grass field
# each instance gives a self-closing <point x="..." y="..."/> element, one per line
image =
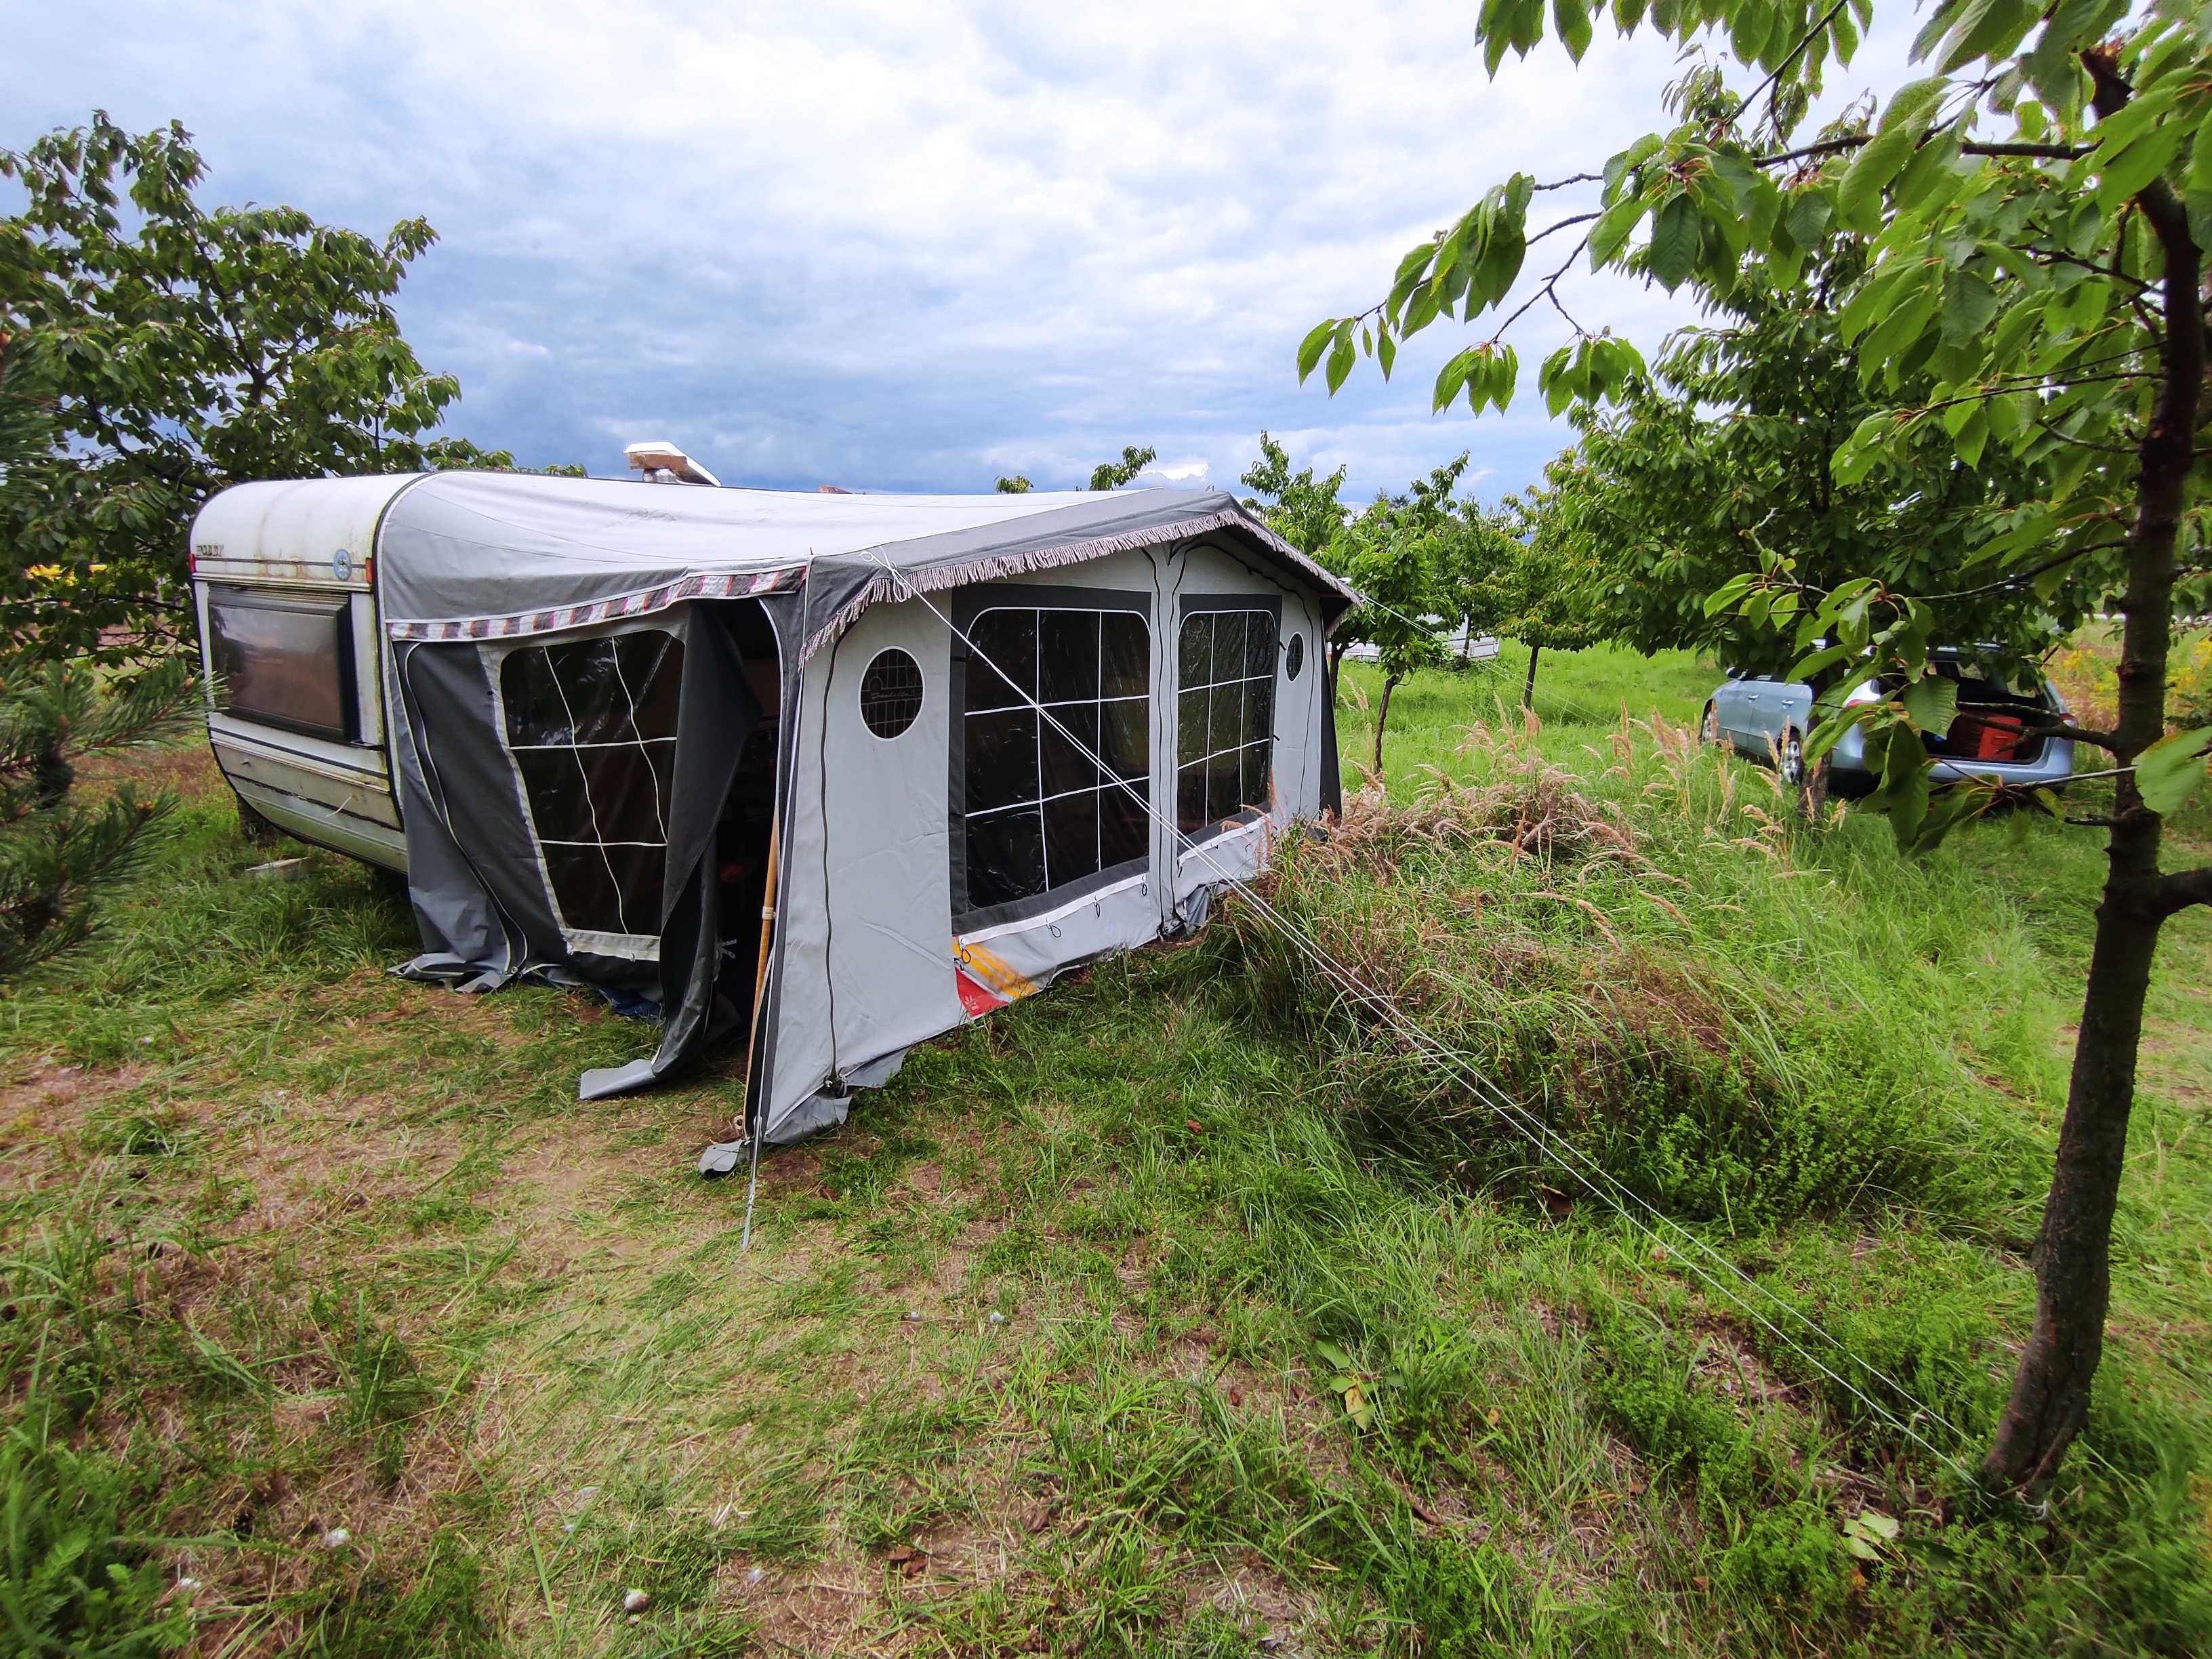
<point x="1176" y="1311"/>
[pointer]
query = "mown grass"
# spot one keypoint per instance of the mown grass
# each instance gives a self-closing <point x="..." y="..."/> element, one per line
<point x="1050" y="1349"/>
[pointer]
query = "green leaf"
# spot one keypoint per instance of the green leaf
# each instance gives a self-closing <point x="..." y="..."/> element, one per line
<point x="1969" y="304"/>
<point x="1993" y="29"/>
<point x="1386" y="351"/>
<point x="2120" y="177"/>
<point x="1810" y="210"/>
<point x="1334" y="1355"/>
<point x="1750" y="24"/>
<point x="1452" y="376"/>
<point x="1313" y="345"/>
<point x="1495" y="33"/>
<point x="1729" y="591"/>
<point x="1499" y="266"/>
<point x="1528" y="26"/>
<point x="1912" y="104"/>
<point x="1904" y="780"/>
<point x="1805" y="667"/>
<point x="1874" y="293"/>
<point x="1610" y="234"/>
<point x="1910" y="313"/>
<point x="1931" y="704"/>
<point x="1505" y="375"/>
<point x="1674" y="241"/>
<point x="1552" y="381"/>
<point x="1572" y="19"/>
<point x="2198" y="179"/>
<point x="2168" y="773"/>
<point x="1340" y="357"/>
<point x="1832" y="730"/>
<point x="1940" y="19"/>
<point x="1858" y="198"/>
<point x="1868" y="1533"/>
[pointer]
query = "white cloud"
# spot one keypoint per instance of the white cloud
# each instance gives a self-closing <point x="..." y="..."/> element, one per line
<point x="896" y="245"/>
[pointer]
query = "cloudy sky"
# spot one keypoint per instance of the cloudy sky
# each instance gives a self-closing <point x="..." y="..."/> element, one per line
<point x="889" y="246"/>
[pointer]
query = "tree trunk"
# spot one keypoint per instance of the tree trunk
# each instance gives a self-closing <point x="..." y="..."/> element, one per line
<point x="2050" y="1399"/>
<point x="1529" y="688"/>
<point x="1335" y="662"/>
<point x="1382" y="715"/>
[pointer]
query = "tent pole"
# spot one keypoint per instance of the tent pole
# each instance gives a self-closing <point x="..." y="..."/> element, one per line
<point x="760" y="968"/>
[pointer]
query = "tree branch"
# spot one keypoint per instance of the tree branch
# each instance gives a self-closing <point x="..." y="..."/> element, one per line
<point x="2055" y="256"/>
<point x="2177" y="889"/>
<point x="1972" y="147"/>
<point x="1574" y="218"/>
<point x="2017" y="577"/>
<point x="1549" y="285"/>
<point x="2104" y="740"/>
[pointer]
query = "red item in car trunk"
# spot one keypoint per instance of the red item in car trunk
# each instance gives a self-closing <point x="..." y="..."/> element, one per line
<point x="1989" y="737"/>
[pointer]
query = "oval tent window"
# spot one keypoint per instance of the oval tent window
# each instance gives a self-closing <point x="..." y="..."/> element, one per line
<point x="890" y="693"/>
<point x="1294" y="658"/>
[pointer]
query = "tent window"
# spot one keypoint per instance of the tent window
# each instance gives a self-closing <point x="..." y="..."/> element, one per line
<point x="1294" y="658"/>
<point x="1040" y="813"/>
<point x="1225" y="725"/>
<point x="284" y="659"/>
<point x="592" y="725"/>
<point x="890" y="693"/>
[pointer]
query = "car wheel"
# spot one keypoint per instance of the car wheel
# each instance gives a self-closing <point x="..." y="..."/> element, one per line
<point x="1708" y="729"/>
<point x="1791" y="761"/>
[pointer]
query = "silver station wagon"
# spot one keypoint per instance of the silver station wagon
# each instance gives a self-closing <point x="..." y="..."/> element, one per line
<point x="1993" y="740"/>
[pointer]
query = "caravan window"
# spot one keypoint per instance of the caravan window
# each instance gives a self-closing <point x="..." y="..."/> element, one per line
<point x="1038" y="811"/>
<point x="592" y="725"/>
<point x="1225" y="720"/>
<point x="284" y="659"/>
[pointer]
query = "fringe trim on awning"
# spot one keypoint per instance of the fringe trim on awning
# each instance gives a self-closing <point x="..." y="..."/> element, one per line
<point x="896" y="583"/>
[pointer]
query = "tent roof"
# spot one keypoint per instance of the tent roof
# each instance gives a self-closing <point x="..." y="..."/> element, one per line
<point x="457" y="547"/>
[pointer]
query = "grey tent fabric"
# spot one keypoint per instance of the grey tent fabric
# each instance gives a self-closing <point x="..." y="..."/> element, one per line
<point x="868" y="955"/>
<point x="480" y="903"/>
<point x="481" y="892"/>
<point x="718" y="713"/>
<point x="459" y="547"/>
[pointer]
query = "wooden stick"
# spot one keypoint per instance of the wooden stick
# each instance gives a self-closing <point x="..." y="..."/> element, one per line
<point x="767" y="929"/>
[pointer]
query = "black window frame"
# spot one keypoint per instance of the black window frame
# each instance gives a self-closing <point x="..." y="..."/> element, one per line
<point x="967" y="606"/>
<point x="333" y="607"/>
<point x="1194" y="604"/>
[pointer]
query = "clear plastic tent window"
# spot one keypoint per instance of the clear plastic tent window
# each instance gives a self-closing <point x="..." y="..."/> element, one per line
<point x="1225" y="721"/>
<point x="592" y="725"/>
<point x="1039" y="812"/>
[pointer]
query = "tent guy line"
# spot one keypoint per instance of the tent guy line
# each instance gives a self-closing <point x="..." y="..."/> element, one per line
<point x="1539" y="1135"/>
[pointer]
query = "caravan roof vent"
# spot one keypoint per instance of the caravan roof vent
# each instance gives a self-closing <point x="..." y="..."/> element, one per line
<point x="664" y="462"/>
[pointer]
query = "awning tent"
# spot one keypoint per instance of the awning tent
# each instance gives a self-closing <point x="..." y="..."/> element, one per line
<point x="958" y="721"/>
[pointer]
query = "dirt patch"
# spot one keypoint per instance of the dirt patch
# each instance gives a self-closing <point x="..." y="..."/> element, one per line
<point x="1731" y="1368"/>
<point x="48" y="1096"/>
<point x="826" y="1607"/>
<point x="1254" y="1598"/>
<point x="47" y="1109"/>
